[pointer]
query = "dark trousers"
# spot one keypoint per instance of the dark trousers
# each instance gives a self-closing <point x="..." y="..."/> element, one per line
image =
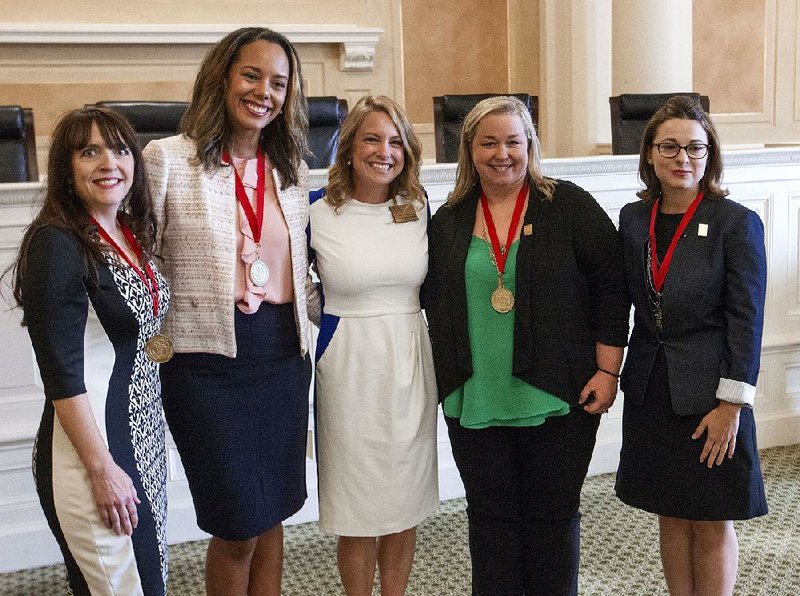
<point x="523" y="489"/>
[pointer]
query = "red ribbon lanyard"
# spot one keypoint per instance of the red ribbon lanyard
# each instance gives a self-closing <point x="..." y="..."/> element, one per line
<point x="147" y="276"/>
<point x="500" y="256"/>
<point x="254" y="219"/>
<point x="659" y="273"/>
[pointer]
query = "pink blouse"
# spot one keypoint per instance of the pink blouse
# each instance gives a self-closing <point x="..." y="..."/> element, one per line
<point x="274" y="249"/>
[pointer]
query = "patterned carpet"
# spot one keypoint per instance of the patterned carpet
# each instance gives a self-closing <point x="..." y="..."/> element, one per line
<point x="619" y="549"/>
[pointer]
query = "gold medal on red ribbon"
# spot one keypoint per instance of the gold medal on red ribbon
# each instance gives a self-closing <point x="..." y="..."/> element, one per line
<point x="159" y="348"/>
<point x="502" y="298"/>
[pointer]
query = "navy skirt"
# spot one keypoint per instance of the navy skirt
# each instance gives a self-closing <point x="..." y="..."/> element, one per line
<point x="660" y="469"/>
<point x="240" y="425"/>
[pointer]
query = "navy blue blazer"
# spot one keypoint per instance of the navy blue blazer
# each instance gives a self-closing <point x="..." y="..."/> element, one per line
<point x="712" y="304"/>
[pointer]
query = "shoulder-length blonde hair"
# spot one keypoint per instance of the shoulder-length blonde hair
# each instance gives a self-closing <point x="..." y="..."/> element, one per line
<point x="682" y="107"/>
<point x="466" y="174"/>
<point x="206" y="121"/>
<point x="341" y="178"/>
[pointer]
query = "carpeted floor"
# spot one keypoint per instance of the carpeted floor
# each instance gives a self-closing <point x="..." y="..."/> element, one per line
<point x="619" y="549"/>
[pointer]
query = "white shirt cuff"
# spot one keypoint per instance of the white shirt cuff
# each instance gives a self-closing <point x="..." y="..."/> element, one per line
<point x="736" y="392"/>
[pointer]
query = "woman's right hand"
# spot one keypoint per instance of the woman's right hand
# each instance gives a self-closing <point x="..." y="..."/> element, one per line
<point x="116" y="498"/>
<point x="112" y="489"/>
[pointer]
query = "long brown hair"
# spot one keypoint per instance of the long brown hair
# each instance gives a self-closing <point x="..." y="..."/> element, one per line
<point x="63" y="208"/>
<point x="681" y="107"/>
<point x="206" y="120"/>
<point x="341" y="183"/>
<point x="466" y="174"/>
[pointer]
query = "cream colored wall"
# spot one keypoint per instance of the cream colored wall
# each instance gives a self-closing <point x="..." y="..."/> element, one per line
<point x="467" y="46"/>
<point x="523" y="46"/>
<point x="52" y="78"/>
<point x="729" y="61"/>
<point x="746" y="55"/>
<point x="452" y="46"/>
<point x="575" y="53"/>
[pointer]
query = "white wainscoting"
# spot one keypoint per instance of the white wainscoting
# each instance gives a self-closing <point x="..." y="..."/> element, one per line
<point x="767" y="181"/>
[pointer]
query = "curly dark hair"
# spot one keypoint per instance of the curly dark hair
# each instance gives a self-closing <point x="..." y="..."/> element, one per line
<point x="682" y="107"/>
<point x="63" y="208"/>
<point x="206" y="120"/>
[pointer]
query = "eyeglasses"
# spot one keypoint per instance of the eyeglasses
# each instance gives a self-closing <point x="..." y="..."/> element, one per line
<point x="693" y="150"/>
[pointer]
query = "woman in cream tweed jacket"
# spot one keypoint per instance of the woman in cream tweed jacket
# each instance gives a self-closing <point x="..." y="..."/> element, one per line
<point x="202" y="212"/>
<point x="232" y="205"/>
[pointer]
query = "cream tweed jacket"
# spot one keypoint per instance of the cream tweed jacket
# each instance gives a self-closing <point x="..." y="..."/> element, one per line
<point x="196" y="214"/>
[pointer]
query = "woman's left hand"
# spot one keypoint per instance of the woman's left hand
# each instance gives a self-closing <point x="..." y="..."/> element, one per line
<point x="599" y="393"/>
<point x="721" y="425"/>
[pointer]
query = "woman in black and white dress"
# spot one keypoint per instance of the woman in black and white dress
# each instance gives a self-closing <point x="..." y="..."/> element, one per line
<point x="99" y="460"/>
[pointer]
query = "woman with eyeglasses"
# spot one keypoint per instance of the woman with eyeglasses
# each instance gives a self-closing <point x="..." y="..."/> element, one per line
<point x="696" y="272"/>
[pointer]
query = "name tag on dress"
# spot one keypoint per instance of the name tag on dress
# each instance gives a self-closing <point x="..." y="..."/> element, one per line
<point x="702" y="230"/>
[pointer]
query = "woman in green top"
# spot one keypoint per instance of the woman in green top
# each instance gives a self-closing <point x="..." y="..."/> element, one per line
<point x="528" y="315"/>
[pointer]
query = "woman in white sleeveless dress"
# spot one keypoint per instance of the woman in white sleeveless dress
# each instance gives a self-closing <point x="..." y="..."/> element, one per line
<point x="376" y="390"/>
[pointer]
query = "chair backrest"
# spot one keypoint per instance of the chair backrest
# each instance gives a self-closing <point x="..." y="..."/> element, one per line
<point x="150" y="119"/>
<point x="449" y="112"/>
<point x="630" y="113"/>
<point x="325" y="116"/>
<point x="17" y="145"/>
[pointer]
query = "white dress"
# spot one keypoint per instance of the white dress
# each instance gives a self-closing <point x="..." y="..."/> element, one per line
<point x="376" y="398"/>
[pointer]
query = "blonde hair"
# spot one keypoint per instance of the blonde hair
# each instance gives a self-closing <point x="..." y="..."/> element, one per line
<point x="466" y="174"/>
<point x="206" y="120"/>
<point x="341" y="182"/>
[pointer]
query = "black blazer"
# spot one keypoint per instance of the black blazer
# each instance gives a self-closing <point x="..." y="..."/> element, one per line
<point x="712" y="304"/>
<point x="570" y="292"/>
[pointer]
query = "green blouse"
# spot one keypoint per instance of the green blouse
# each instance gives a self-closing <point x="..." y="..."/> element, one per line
<point x="492" y="396"/>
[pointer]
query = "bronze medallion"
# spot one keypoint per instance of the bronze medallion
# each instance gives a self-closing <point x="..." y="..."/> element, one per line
<point x="502" y="300"/>
<point x="159" y="348"/>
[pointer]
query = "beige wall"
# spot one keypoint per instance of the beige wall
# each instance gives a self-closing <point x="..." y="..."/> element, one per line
<point x="453" y="46"/>
<point x="745" y="57"/>
<point x="52" y="78"/>
<point x="360" y="12"/>
<point x="729" y="60"/>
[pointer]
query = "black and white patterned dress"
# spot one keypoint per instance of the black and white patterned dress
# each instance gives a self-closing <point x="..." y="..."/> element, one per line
<point x="59" y="289"/>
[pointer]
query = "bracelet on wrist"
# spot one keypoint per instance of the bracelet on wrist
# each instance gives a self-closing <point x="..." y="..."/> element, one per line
<point x="608" y="372"/>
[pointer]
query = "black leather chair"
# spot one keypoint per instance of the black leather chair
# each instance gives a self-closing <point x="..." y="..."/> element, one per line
<point x="17" y="145"/>
<point x="630" y="113"/>
<point x="449" y="112"/>
<point x="150" y="119"/>
<point x="325" y="116"/>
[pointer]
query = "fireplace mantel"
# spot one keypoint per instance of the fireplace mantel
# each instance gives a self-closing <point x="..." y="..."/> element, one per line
<point x="356" y="44"/>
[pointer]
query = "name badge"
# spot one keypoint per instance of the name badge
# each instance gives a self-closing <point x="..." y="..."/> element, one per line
<point x="702" y="230"/>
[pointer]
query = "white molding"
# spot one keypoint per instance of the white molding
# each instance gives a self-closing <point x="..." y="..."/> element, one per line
<point x="565" y="167"/>
<point x="357" y="44"/>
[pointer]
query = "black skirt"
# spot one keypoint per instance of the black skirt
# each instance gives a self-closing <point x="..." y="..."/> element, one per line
<point x="660" y="469"/>
<point x="240" y="425"/>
